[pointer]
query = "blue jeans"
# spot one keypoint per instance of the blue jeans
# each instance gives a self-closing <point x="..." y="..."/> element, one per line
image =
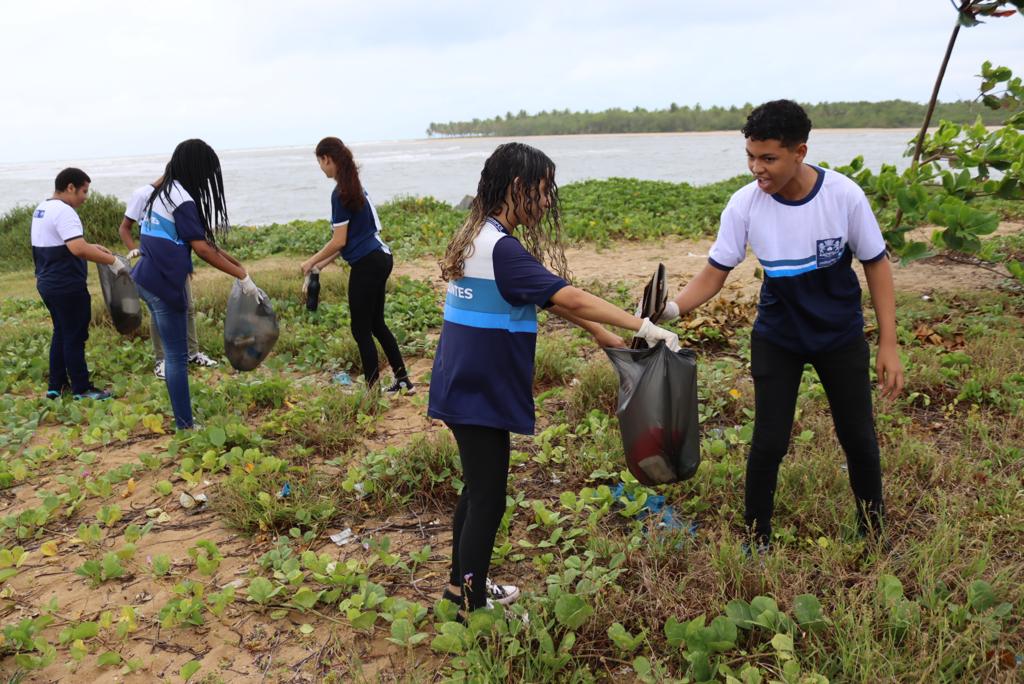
<point x="172" y="327"/>
<point x="70" y="314"/>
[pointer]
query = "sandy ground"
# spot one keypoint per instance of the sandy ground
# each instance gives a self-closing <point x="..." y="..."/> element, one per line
<point x="247" y="644"/>
<point x="634" y="262"/>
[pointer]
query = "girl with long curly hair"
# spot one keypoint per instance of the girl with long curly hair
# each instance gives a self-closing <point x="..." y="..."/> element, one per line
<point x="497" y="267"/>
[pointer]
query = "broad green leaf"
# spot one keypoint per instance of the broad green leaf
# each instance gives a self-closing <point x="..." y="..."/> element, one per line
<point x="572" y="611"/>
<point x="188" y="669"/>
<point x="890" y="589"/>
<point x="981" y="596"/>
<point x="109" y="658"/>
<point x="807" y="609"/>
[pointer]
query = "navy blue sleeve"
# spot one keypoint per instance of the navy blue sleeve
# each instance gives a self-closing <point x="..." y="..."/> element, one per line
<point x="188" y="222"/>
<point x="339" y="214"/>
<point x="520" y="278"/>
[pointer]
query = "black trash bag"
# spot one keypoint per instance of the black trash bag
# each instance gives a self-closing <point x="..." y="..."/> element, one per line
<point x="250" y="329"/>
<point x="653" y="303"/>
<point x="121" y="297"/>
<point x="658" y="412"/>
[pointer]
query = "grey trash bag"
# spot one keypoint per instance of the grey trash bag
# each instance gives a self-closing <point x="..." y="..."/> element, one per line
<point x="121" y="297"/>
<point x="658" y="412"/>
<point x="250" y="329"/>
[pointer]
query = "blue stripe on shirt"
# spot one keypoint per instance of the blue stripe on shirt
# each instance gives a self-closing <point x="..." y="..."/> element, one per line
<point x="492" y="321"/>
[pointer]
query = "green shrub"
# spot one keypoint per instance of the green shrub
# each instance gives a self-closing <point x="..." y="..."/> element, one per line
<point x="101" y="215"/>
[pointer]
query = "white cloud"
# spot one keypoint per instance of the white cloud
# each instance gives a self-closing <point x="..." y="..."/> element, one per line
<point x="116" y="77"/>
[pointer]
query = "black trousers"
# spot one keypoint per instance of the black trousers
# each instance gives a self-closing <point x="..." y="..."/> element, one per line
<point x="484" y="453"/>
<point x="844" y="375"/>
<point x="70" y="314"/>
<point x="367" y="283"/>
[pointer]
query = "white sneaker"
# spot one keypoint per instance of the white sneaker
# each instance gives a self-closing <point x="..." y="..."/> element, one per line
<point x="158" y="370"/>
<point x="505" y="594"/>
<point x="201" y="359"/>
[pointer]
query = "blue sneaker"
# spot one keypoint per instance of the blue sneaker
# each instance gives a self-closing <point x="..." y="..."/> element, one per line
<point x="95" y="394"/>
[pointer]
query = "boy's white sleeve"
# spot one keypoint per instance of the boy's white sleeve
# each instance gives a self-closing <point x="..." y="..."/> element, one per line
<point x="730" y="246"/>
<point x="133" y="210"/>
<point x="69" y="226"/>
<point x="864" y="235"/>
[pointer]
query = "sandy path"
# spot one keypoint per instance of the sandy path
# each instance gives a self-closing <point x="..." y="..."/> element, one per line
<point x="633" y="262"/>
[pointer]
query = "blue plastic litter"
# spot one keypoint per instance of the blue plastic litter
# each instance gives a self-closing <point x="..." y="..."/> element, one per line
<point x="286" y="490"/>
<point x="655" y="505"/>
<point x="342" y="378"/>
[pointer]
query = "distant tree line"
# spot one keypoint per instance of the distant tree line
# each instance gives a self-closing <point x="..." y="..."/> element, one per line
<point x="886" y="114"/>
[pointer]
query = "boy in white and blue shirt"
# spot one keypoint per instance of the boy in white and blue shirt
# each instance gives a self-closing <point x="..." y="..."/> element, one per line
<point x="59" y="250"/>
<point x="805" y="225"/>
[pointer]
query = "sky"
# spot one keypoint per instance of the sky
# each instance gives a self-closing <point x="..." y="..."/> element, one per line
<point x="113" y="78"/>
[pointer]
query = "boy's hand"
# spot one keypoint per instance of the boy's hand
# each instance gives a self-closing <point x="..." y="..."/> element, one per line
<point x="606" y="338"/>
<point x="890" y="371"/>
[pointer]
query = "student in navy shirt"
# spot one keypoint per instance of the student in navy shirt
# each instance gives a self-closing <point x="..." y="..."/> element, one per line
<point x="482" y="380"/>
<point x="132" y="213"/>
<point x="185" y="213"/>
<point x="805" y="225"/>
<point x="356" y="236"/>
<point x="59" y="250"/>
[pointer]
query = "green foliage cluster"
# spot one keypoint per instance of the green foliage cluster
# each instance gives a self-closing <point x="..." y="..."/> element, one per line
<point x="885" y="114"/>
<point x="101" y="215"/>
<point x="965" y="175"/>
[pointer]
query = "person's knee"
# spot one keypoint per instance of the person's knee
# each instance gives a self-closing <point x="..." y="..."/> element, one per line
<point x="767" y="453"/>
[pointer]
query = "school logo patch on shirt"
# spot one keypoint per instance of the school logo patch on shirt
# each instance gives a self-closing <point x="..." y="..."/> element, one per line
<point x="829" y="251"/>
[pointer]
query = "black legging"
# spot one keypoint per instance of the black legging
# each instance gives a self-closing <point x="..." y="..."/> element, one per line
<point x="367" y="283"/>
<point x="484" y="453"/>
<point x="844" y="375"/>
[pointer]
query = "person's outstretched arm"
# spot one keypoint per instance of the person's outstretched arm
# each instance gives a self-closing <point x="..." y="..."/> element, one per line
<point x="218" y="259"/>
<point x="90" y="252"/>
<point x="700" y="289"/>
<point x="125" y="232"/>
<point x="587" y="307"/>
<point x="329" y="251"/>
<point x="887" y="364"/>
<point x="601" y="335"/>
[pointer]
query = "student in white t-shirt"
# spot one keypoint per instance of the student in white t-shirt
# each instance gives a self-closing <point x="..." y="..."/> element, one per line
<point x="132" y="213"/>
<point x="805" y="225"/>
<point x="59" y="250"/>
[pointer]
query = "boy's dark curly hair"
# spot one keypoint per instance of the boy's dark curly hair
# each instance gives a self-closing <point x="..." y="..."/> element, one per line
<point x="782" y="120"/>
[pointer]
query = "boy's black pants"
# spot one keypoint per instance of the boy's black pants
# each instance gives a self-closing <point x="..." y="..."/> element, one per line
<point x="70" y="314"/>
<point x="844" y="375"/>
<point x="484" y="453"/>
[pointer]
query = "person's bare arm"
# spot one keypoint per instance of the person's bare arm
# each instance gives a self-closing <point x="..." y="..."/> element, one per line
<point x="883" y="298"/>
<point x="337" y="242"/>
<point x="125" y="232"/>
<point x="700" y="289"/>
<point x="601" y="335"/>
<point x="90" y="252"/>
<point x="327" y="262"/>
<point x="218" y="259"/>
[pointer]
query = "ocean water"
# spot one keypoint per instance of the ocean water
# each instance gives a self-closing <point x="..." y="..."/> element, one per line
<point x="284" y="183"/>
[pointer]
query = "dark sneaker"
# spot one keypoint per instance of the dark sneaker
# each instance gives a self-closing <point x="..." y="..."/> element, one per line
<point x="401" y="384"/>
<point x="201" y="359"/>
<point x="504" y="594"/>
<point x="53" y="394"/>
<point x="95" y="394"/>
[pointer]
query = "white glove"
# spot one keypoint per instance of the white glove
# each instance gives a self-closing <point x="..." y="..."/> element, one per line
<point x="652" y="334"/>
<point x="118" y="267"/>
<point x="134" y="254"/>
<point x="248" y="287"/>
<point x="670" y="313"/>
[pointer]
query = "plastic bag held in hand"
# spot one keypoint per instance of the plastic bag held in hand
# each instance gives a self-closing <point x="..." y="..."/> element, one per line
<point x="657" y="412"/>
<point x="120" y="295"/>
<point x="250" y="327"/>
